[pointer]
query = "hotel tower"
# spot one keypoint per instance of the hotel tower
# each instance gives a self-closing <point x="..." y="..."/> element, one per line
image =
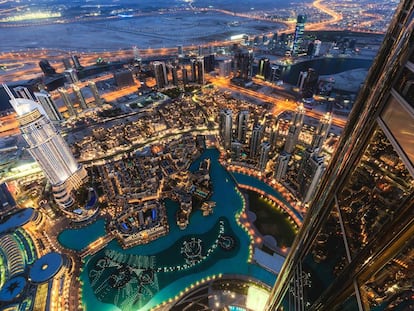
<point x="355" y="250"/>
<point x="49" y="149"/>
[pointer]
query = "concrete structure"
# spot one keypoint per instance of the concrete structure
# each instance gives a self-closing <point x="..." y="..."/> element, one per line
<point x="226" y="127"/>
<point x="48" y="105"/>
<point x="160" y="71"/>
<point x="294" y="129"/>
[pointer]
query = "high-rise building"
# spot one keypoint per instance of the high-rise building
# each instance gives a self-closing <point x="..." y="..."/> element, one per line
<point x="255" y="140"/>
<point x="174" y="74"/>
<point x="264" y="70"/>
<point x="193" y="70"/>
<point x="294" y="129"/>
<point x="124" y="77"/>
<point x="225" y="68"/>
<point x="23" y="92"/>
<point x="263" y="155"/>
<point x="46" y="67"/>
<point x="7" y="201"/>
<point x="160" y="71"/>
<point x="66" y="63"/>
<point x="49" y="150"/>
<point x="355" y="248"/>
<point x="243" y="61"/>
<point x="49" y="105"/>
<point x="236" y="149"/>
<point x="76" y="62"/>
<point x="200" y="70"/>
<point x="321" y="132"/>
<point x="226" y="130"/>
<point x="282" y="166"/>
<point x="79" y="96"/>
<point x="242" y="125"/>
<point x="310" y="84"/>
<point x="317" y="47"/>
<point x="184" y="73"/>
<point x="299" y="31"/>
<point x="180" y="51"/>
<point x="209" y="61"/>
<point x="71" y="75"/>
<point x="67" y="101"/>
<point x="95" y="92"/>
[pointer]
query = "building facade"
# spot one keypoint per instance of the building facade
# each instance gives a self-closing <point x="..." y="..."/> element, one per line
<point x="355" y="249"/>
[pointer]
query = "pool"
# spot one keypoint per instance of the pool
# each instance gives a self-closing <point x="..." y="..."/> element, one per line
<point x="144" y="276"/>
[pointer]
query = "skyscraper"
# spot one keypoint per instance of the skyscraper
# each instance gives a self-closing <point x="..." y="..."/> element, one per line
<point x="355" y="248"/>
<point x="282" y="166"/>
<point x="23" y="92"/>
<point x="294" y="129"/>
<point x="47" y="69"/>
<point x="264" y="70"/>
<point x="243" y="61"/>
<point x="49" y="106"/>
<point x="71" y="75"/>
<point x="95" y="92"/>
<point x="160" y="71"/>
<point x="255" y="139"/>
<point x="242" y="124"/>
<point x="321" y="132"/>
<point x="299" y="31"/>
<point x="226" y="131"/>
<point x="67" y="101"/>
<point x="49" y="149"/>
<point x="225" y="68"/>
<point x="310" y="84"/>
<point x="263" y="155"/>
<point x="7" y="201"/>
<point x="200" y="70"/>
<point x="79" y="96"/>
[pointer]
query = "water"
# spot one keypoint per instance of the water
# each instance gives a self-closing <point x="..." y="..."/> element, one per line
<point x="169" y="284"/>
<point x="78" y="239"/>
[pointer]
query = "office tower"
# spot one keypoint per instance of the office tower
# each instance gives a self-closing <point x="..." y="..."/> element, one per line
<point x="310" y="49"/>
<point x="255" y="139"/>
<point x="193" y="70"/>
<point x="76" y="62"/>
<point x="49" y="150"/>
<point x="275" y="73"/>
<point x="23" y="92"/>
<point x="137" y="55"/>
<point x="226" y="131"/>
<point x="160" y="71"/>
<point x="301" y="80"/>
<point x="49" y="106"/>
<point x="309" y="174"/>
<point x="66" y="63"/>
<point x="180" y="51"/>
<point x="67" y="101"/>
<point x="95" y="92"/>
<point x="321" y="132"/>
<point x="7" y="201"/>
<point x="317" y="47"/>
<point x="185" y="76"/>
<point x="174" y="74"/>
<point x="242" y="124"/>
<point x="243" y="61"/>
<point x="46" y="67"/>
<point x="225" y="68"/>
<point x="273" y="136"/>
<point x="310" y="84"/>
<point x="355" y="248"/>
<point x="294" y="129"/>
<point x="71" y="75"/>
<point x="209" y="63"/>
<point x="200" y="50"/>
<point x="263" y="155"/>
<point x="264" y="70"/>
<point x="299" y="31"/>
<point x="236" y="149"/>
<point x="79" y="96"/>
<point x="123" y="78"/>
<point x="200" y="70"/>
<point x="281" y="166"/>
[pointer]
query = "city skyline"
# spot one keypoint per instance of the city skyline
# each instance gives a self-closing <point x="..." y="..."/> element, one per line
<point x="250" y="160"/>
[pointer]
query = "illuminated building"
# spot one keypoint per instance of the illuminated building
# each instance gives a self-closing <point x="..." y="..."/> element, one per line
<point x="79" y="96"/>
<point x="299" y="31"/>
<point x="49" y="149"/>
<point x="236" y="149"/>
<point x="264" y="70"/>
<point x="95" y="92"/>
<point x="243" y="61"/>
<point x="200" y="70"/>
<point x="225" y="68"/>
<point x="67" y="101"/>
<point x="23" y="92"/>
<point x="310" y="84"/>
<point x="321" y="132"/>
<point x="71" y="75"/>
<point x="66" y="63"/>
<point x="255" y="139"/>
<point x="294" y="129"/>
<point x="282" y="166"/>
<point x="160" y="71"/>
<point x="209" y="63"/>
<point x="242" y="124"/>
<point x="226" y="130"/>
<point x="263" y="155"/>
<point x="355" y="248"/>
<point x="6" y="199"/>
<point x="48" y="105"/>
<point x="124" y="78"/>
<point x="317" y="47"/>
<point x="185" y="76"/>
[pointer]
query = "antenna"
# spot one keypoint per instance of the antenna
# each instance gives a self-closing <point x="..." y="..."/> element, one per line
<point x="13" y="100"/>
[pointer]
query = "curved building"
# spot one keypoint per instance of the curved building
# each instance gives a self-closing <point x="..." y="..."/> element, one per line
<point x="49" y="149"/>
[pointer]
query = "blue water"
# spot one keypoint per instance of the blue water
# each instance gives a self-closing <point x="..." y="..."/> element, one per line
<point x="78" y="239"/>
<point x="229" y="202"/>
